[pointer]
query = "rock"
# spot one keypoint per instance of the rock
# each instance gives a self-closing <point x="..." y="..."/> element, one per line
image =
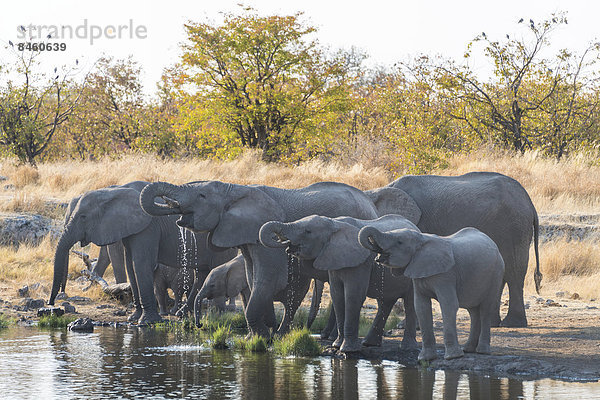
<point x="120" y="313"/>
<point x="47" y="311"/>
<point x="23" y="292"/>
<point x="61" y="296"/>
<point x="82" y="325"/>
<point x="25" y="228"/>
<point x="32" y="304"/>
<point x="69" y="309"/>
<point x="591" y="307"/>
<point x="120" y="292"/>
<point x="3" y="178"/>
<point x="561" y="294"/>
<point x="575" y="296"/>
<point x="104" y="306"/>
<point x="551" y="303"/>
<point x="79" y="299"/>
<point x="539" y="300"/>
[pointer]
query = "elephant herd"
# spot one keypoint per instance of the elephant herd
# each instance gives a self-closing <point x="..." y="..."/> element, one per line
<point x="458" y="240"/>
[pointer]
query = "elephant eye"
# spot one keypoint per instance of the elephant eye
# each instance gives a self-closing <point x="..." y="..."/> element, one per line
<point x="202" y="196"/>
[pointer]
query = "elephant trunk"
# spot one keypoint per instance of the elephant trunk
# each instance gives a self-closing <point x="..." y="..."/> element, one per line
<point x="198" y="306"/>
<point x="272" y="230"/>
<point x="315" y="302"/>
<point x="171" y="194"/>
<point x="61" y="262"/>
<point x="368" y="238"/>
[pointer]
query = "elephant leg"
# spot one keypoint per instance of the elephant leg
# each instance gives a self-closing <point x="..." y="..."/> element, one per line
<point x="294" y="297"/>
<point x="336" y="289"/>
<point x="409" y="339"/>
<point x="245" y="294"/>
<point x="116" y="253"/>
<point x="356" y="284"/>
<point x="496" y="319"/>
<point x="160" y="292"/>
<point x="449" y="304"/>
<point x="516" y="262"/>
<point x="257" y="308"/>
<point x="103" y="262"/>
<point x="516" y="308"/>
<point x="474" y="332"/>
<point x="137" y="313"/>
<point x="485" y="313"/>
<point x="425" y="317"/>
<point x="145" y="259"/>
<point x="331" y="327"/>
<point x="374" y="337"/>
<point x="219" y="303"/>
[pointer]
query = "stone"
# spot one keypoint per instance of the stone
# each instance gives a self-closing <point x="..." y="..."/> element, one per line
<point x="47" y="311"/>
<point x="32" y="304"/>
<point x="25" y="228"/>
<point x="120" y="292"/>
<point x="61" y="296"/>
<point x="104" y="306"/>
<point x="79" y="299"/>
<point x="69" y="309"/>
<point x="575" y="296"/>
<point x="23" y="292"/>
<point x="561" y="294"/>
<point x="81" y="325"/>
<point x="120" y="313"/>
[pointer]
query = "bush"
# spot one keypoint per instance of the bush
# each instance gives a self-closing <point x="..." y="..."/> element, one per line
<point x="256" y="344"/>
<point x="235" y="321"/>
<point x="54" y="321"/>
<point x="297" y="342"/>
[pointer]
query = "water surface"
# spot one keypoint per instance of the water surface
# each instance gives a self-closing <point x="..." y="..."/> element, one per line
<point x="146" y="363"/>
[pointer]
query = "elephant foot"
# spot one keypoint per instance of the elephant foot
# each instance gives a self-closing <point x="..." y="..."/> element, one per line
<point x="484" y="349"/>
<point x="163" y="313"/>
<point x="427" y="354"/>
<point x="149" y="318"/>
<point x="470" y="347"/>
<point x="135" y="316"/>
<point x="371" y="341"/>
<point x="409" y="344"/>
<point x="452" y="353"/>
<point x="514" y="322"/>
<point x="350" y="346"/>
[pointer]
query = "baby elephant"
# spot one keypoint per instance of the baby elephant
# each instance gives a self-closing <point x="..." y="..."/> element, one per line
<point x="180" y="280"/>
<point x="226" y="280"/>
<point x="462" y="270"/>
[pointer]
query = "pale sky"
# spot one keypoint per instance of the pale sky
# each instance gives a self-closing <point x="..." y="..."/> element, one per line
<point x="388" y="31"/>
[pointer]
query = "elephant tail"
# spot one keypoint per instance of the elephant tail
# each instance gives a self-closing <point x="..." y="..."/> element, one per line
<point x="315" y="302"/>
<point x="537" y="276"/>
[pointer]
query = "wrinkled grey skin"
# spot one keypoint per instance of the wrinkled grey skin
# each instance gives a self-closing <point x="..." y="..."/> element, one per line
<point x="331" y="245"/>
<point x="493" y="203"/>
<point x="462" y="270"/>
<point x="233" y="215"/>
<point x="226" y="280"/>
<point x="107" y="216"/>
<point x="179" y="280"/>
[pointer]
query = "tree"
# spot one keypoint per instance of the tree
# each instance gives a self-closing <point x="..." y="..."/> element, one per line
<point x="260" y="77"/>
<point x="32" y="112"/>
<point x="503" y="105"/>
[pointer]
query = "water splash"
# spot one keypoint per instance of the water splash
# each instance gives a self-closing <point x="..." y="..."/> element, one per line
<point x="187" y="256"/>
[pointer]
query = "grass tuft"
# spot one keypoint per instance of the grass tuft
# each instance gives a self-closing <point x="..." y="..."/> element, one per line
<point x="54" y="321"/>
<point x="297" y="342"/>
<point x="211" y="321"/>
<point x="220" y="337"/>
<point x="6" y="321"/>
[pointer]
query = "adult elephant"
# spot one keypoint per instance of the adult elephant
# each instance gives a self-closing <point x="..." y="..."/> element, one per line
<point x="233" y="215"/>
<point x="110" y="215"/>
<point x="494" y="203"/>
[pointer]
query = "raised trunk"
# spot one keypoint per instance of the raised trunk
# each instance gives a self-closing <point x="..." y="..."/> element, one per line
<point x="61" y="262"/>
<point x="159" y="189"/>
<point x="368" y="237"/>
<point x="270" y="231"/>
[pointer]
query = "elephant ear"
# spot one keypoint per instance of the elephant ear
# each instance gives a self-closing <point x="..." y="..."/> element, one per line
<point x="243" y="217"/>
<point x="342" y="250"/>
<point x="120" y="216"/>
<point x="433" y="257"/>
<point x="389" y="200"/>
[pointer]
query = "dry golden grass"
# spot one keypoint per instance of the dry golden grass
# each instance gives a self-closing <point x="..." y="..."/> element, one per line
<point x="571" y="186"/>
